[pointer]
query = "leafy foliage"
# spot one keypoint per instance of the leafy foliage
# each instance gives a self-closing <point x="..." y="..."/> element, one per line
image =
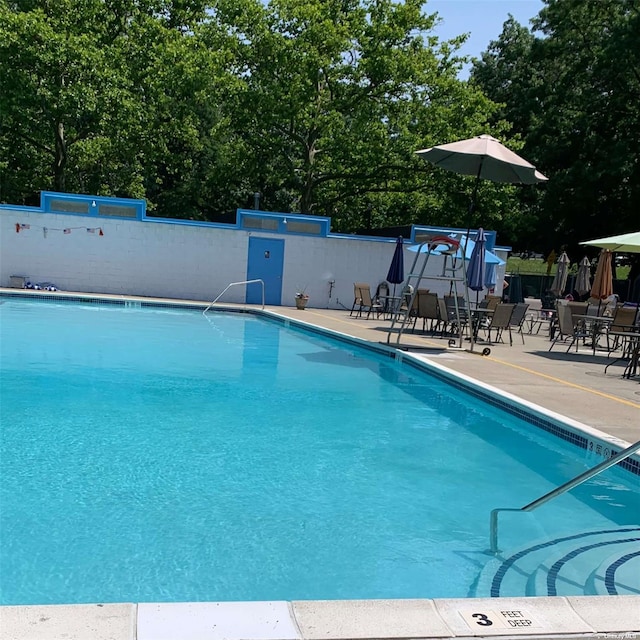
<point x="572" y="93"/>
<point x="319" y="105"/>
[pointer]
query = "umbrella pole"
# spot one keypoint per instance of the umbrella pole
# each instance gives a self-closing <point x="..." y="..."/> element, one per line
<point x="474" y="195"/>
<point x="472" y="204"/>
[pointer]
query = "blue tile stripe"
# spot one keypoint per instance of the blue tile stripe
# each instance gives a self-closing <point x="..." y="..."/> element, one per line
<point x="610" y="576"/>
<point x="552" y="576"/>
<point x="509" y="562"/>
<point x="544" y="423"/>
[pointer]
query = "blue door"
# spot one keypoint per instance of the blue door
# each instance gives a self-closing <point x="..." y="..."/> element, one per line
<point x="265" y="262"/>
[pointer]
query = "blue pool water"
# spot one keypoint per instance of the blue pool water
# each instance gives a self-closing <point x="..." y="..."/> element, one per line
<point x="160" y="455"/>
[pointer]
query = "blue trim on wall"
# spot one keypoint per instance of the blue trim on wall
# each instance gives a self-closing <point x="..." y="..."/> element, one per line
<point x="269" y="221"/>
<point x="283" y="223"/>
<point x="94" y="206"/>
<point x="191" y="223"/>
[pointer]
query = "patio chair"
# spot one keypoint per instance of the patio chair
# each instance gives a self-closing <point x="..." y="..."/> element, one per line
<point x="625" y="329"/>
<point x="382" y="295"/>
<point x="545" y="316"/>
<point x="577" y="309"/>
<point x="501" y="320"/>
<point x="593" y="308"/>
<point x="518" y="318"/>
<point x="428" y="309"/>
<point x="567" y="328"/>
<point x="624" y="323"/>
<point x="493" y="301"/>
<point x="444" y="316"/>
<point x="456" y="310"/>
<point x="362" y="300"/>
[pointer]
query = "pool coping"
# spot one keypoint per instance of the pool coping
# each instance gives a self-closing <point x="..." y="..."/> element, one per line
<point x="537" y="617"/>
<point x="532" y="617"/>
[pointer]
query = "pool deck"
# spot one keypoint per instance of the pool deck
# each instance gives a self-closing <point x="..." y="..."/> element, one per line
<point x="570" y="384"/>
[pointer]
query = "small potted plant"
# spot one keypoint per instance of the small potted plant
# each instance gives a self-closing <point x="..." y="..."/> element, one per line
<point x="301" y="298"/>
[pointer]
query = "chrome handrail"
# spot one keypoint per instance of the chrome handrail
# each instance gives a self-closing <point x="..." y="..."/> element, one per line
<point x="594" y="471"/>
<point x="232" y="284"/>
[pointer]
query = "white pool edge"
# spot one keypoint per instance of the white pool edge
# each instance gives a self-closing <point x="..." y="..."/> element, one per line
<point x="539" y="617"/>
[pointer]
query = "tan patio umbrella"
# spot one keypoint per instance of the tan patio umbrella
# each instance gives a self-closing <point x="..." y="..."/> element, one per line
<point x="483" y="157"/>
<point x="560" y="280"/>
<point x="603" y="280"/>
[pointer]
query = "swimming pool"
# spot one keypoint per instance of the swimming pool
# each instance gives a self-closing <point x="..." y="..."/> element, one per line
<point x="154" y="454"/>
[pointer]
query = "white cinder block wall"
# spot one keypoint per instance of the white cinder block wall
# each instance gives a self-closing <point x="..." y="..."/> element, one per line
<point x="183" y="261"/>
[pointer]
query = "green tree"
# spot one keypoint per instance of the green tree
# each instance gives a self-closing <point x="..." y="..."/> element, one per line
<point x="339" y="95"/>
<point x="111" y="98"/>
<point x="319" y="105"/>
<point x="572" y="92"/>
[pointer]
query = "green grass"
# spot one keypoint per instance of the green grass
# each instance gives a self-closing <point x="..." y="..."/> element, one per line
<point x="531" y="267"/>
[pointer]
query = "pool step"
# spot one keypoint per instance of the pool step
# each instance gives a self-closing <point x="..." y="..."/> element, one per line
<point x="588" y="563"/>
<point x="618" y="574"/>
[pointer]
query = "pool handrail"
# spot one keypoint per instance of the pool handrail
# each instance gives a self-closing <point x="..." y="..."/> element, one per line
<point x="232" y="284"/>
<point x="583" y="477"/>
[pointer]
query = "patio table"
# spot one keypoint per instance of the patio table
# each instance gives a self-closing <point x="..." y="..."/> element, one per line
<point x="595" y="325"/>
<point x="478" y="314"/>
<point x="543" y="316"/>
<point x="632" y="353"/>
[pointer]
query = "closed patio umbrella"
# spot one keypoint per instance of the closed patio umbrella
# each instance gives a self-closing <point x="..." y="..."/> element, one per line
<point x="475" y="273"/>
<point x="477" y="264"/>
<point x="603" y="280"/>
<point x="395" y="274"/>
<point x="560" y="280"/>
<point x="583" y="279"/>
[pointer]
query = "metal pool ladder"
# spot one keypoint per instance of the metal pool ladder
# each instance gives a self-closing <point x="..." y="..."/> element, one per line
<point x="493" y="525"/>
<point x="233" y="284"/>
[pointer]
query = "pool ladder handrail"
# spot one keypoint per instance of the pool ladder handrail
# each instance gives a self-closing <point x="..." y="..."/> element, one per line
<point x="583" y="477"/>
<point x="233" y="284"/>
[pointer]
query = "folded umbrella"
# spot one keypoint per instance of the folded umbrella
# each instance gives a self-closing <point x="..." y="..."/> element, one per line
<point x="560" y="280"/>
<point x="476" y="268"/>
<point x="603" y="280"/>
<point x="583" y="279"/>
<point x="395" y="274"/>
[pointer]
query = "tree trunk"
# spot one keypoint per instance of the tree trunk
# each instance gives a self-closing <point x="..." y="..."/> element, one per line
<point x="306" y="200"/>
<point x="60" y="160"/>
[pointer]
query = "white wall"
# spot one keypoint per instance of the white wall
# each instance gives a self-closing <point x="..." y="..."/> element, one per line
<point x="182" y="261"/>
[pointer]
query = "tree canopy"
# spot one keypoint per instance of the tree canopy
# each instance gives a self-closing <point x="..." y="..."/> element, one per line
<point x="320" y="105"/>
<point x="571" y="90"/>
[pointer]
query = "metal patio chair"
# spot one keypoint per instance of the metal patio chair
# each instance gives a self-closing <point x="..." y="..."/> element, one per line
<point x="501" y="320"/>
<point x="363" y="301"/>
<point x="428" y="309"/>
<point x="518" y="318"/>
<point x="568" y="329"/>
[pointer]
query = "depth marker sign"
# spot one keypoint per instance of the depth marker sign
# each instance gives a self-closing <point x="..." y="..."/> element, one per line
<point x="496" y="621"/>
